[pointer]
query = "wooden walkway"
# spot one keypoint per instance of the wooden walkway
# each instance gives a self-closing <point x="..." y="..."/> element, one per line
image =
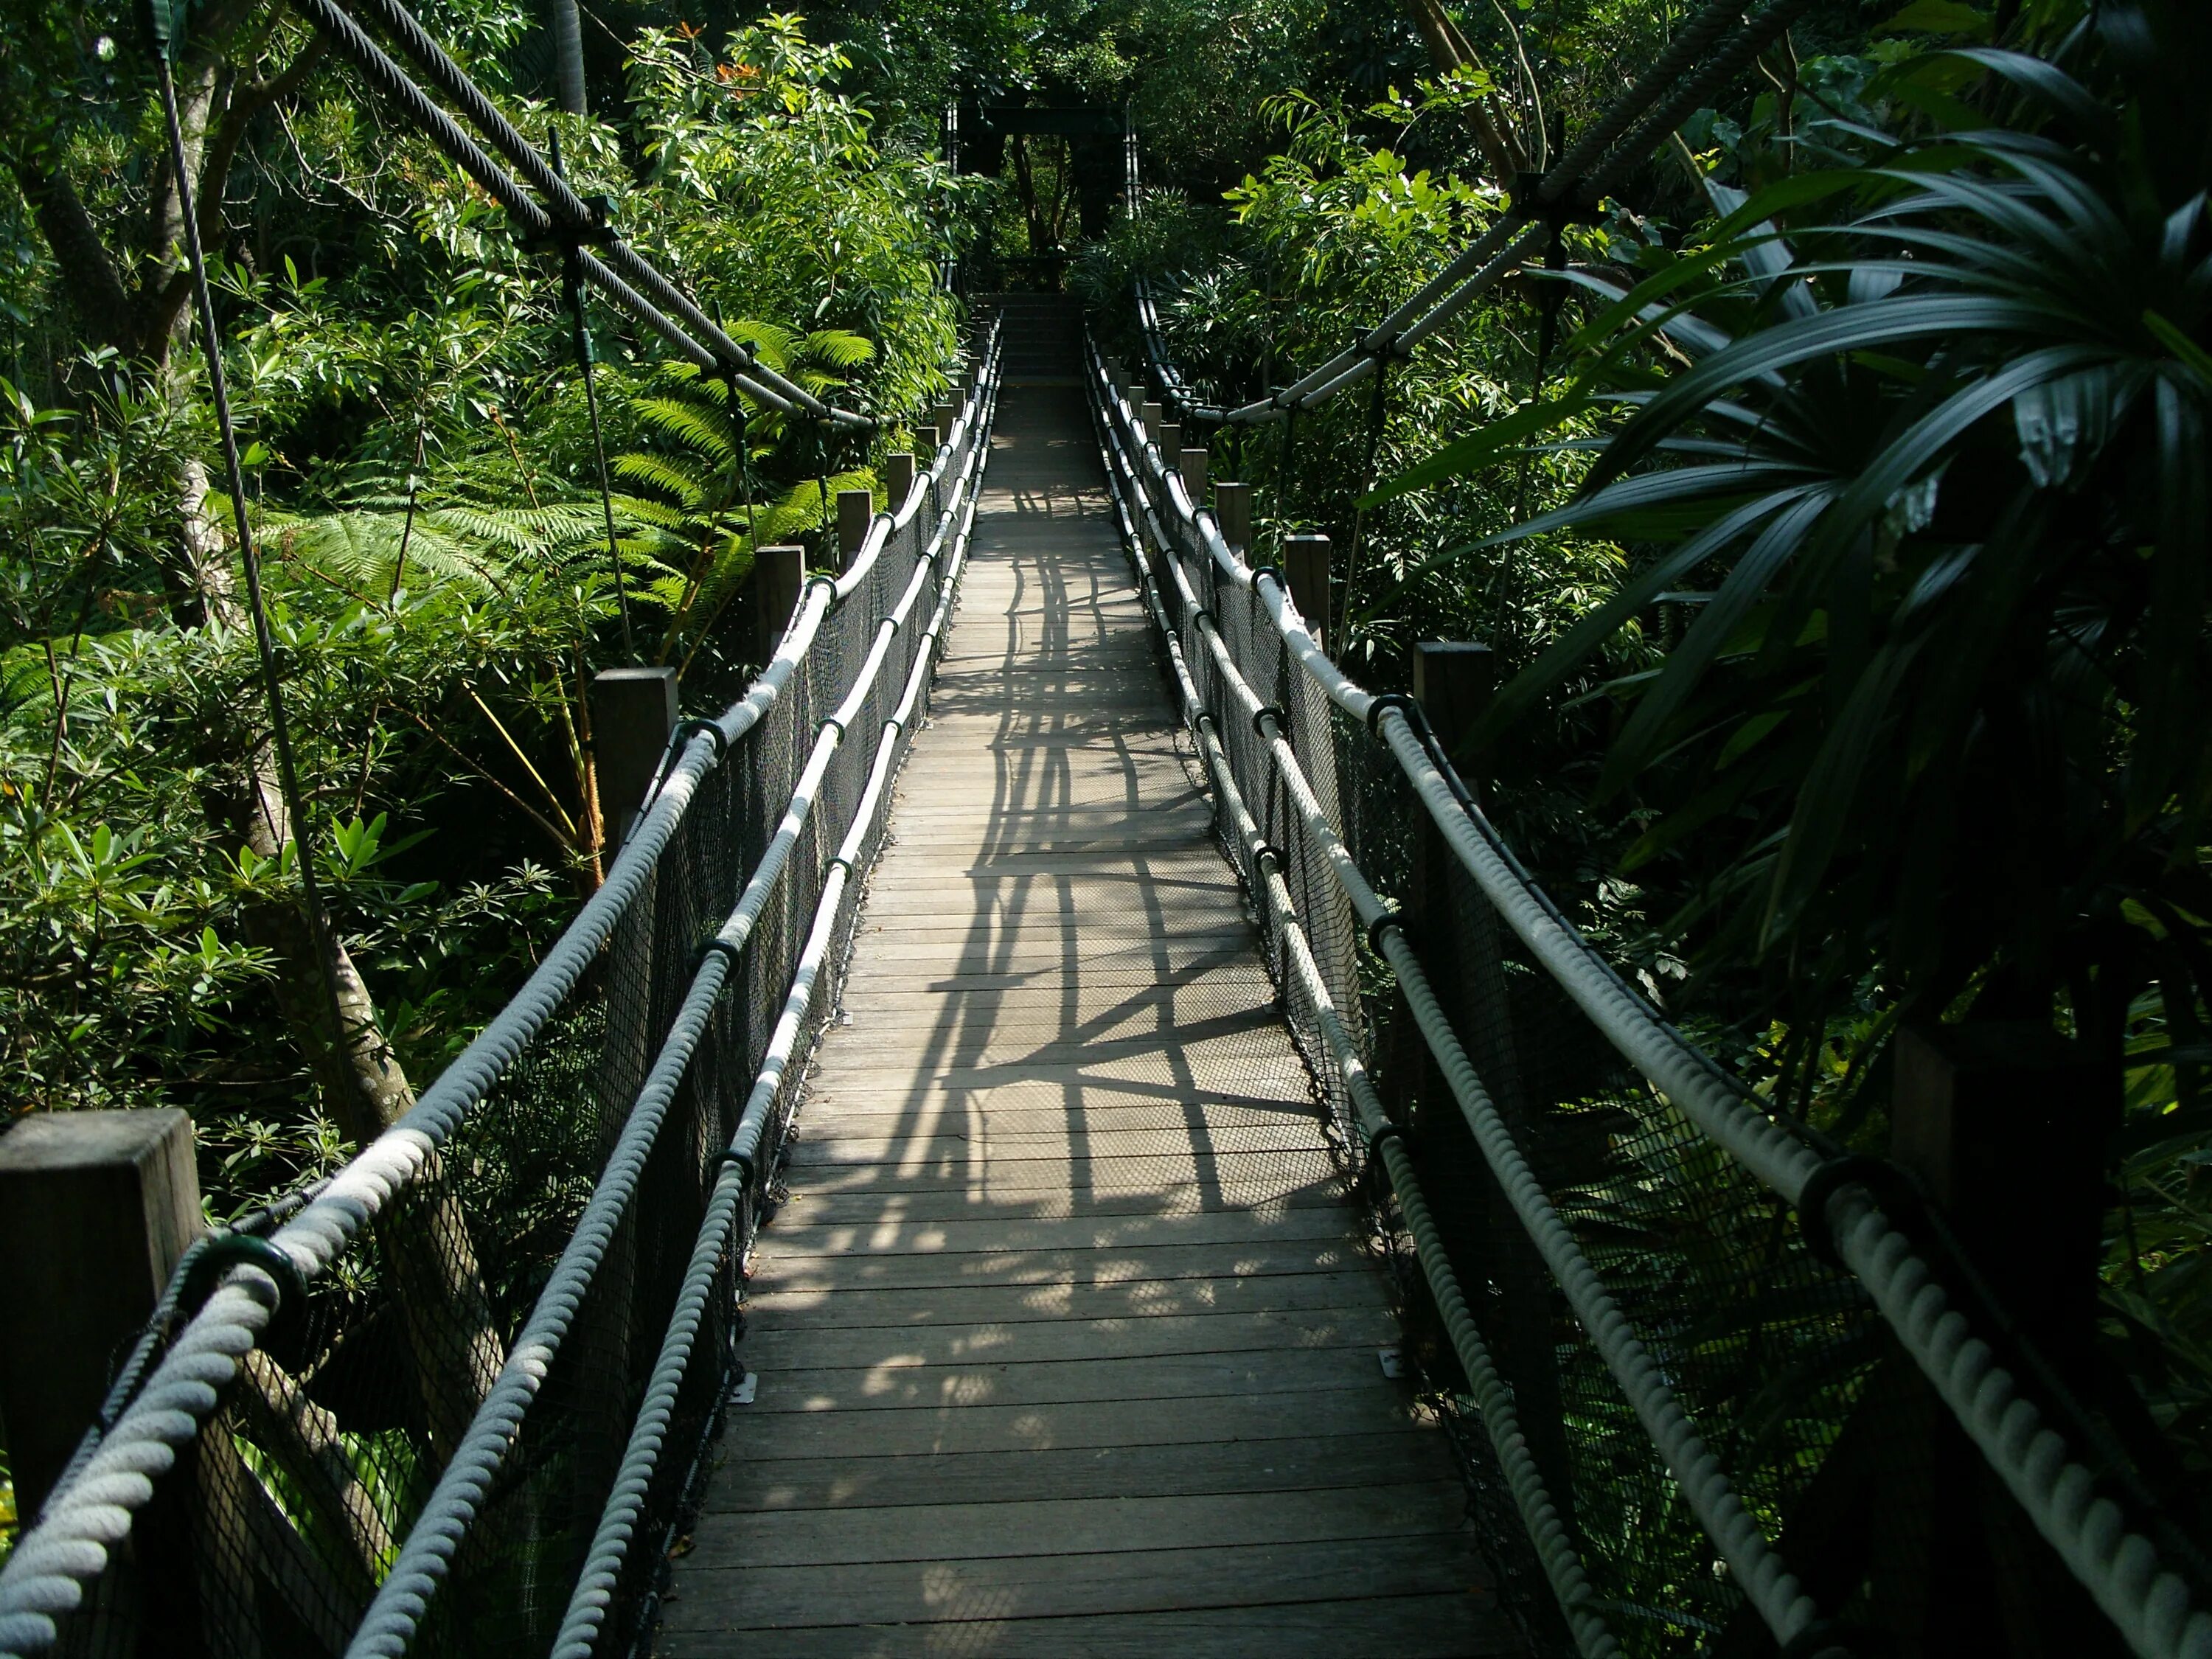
<point x="1065" y="1342"/>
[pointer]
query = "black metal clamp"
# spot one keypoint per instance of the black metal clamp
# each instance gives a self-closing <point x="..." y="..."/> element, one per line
<point x="1387" y="701"/>
<point x="1573" y="206"/>
<point x="1390" y="918"/>
<point x="696" y="726"/>
<point x="1389" y="1132"/>
<point x="220" y="1252"/>
<point x="1892" y="1188"/>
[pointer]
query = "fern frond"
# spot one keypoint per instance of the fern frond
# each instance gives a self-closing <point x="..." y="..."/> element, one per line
<point x="840" y="348"/>
<point x="673" y="478"/>
<point x="702" y="430"/>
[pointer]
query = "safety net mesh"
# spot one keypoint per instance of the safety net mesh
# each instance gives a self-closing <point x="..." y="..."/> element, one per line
<point x="301" y="1489"/>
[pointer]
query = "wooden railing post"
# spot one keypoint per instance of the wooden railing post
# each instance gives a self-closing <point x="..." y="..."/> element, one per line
<point x="1169" y="438"/>
<point x="95" y="1209"/>
<point x="1305" y="571"/>
<point x="1232" y="510"/>
<point x="898" y="477"/>
<point x="633" y="711"/>
<point x="1155" y="416"/>
<point x="856" y="509"/>
<point x="779" y="577"/>
<point x="1192" y="463"/>
<point x="1461" y="945"/>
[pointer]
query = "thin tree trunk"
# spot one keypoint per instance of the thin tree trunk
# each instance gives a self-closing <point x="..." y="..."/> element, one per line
<point x="1449" y="51"/>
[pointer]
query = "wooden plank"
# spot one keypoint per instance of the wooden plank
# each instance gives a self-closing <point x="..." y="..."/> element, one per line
<point x="1442" y="1624"/>
<point x="781" y="1308"/>
<point x="1032" y="1586"/>
<point x="1405" y="1457"/>
<point x="1068" y="1182"/>
<point x="1166" y="1379"/>
<point x="1057" y="1267"/>
<point x="1235" y="1049"/>
<point x="956" y="1151"/>
<point x="1305" y="1183"/>
<point x="1132" y="1335"/>
<point x="928" y="1431"/>
<point x="981" y="1111"/>
<point x="1080" y="1526"/>
<point x="984" y="1234"/>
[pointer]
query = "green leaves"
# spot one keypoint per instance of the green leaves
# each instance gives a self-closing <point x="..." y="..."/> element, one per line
<point x="1927" y="469"/>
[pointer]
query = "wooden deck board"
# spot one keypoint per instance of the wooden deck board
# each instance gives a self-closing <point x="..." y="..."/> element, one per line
<point x="1066" y="1340"/>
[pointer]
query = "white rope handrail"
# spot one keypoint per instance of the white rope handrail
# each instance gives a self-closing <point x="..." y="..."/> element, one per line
<point x="428" y="1551"/>
<point x="592" y="1598"/>
<point x="69" y="1544"/>
<point x="2152" y="1604"/>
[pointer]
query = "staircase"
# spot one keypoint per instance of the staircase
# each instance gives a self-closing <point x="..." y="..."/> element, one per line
<point x="1043" y="337"/>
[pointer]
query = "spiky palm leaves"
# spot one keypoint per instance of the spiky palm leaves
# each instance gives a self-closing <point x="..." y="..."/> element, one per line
<point x="1933" y="486"/>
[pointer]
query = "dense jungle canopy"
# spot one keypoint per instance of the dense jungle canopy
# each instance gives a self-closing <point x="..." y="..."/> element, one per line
<point x="1835" y="495"/>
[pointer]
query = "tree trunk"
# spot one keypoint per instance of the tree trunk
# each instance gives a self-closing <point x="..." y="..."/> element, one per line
<point x="1449" y="52"/>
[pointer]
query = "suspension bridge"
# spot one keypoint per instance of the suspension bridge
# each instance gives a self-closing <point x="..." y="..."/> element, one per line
<point x="1066" y="1129"/>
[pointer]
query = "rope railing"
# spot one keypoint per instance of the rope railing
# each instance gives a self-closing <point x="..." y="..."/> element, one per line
<point x="1706" y="53"/>
<point x="841" y="638"/>
<point x="2140" y="1586"/>
<point x="1786" y="1611"/>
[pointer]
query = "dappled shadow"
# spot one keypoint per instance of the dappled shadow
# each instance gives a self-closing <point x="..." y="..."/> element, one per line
<point x="1065" y="1317"/>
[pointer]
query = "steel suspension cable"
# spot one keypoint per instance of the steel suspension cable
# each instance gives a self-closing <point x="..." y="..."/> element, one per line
<point x="572" y="286"/>
<point x="1659" y="102"/>
<point x="574" y="216"/>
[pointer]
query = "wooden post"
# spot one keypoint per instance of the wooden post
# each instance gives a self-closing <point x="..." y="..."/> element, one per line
<point x="1461" y="943"/>
<point x="1155" y="417"/>
<point x="1169" y="438"/>
<point x="633" y="711"/>
<point x="95" y="1209"/>
<point x="947" y="413"/>
<point x="898" y="477"/>
<point x="856" y="509"/>
<point x="1232" y="509"/>
<point x="1192" y="462"/>
<point x="1305" y="570"/>
<point x="2005" y="1128"/>
<point x="927" y="441"/>
<point x="779" y="578"/>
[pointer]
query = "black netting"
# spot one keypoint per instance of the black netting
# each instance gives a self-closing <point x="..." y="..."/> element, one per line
<point x="1768" y="1350"/>
<point x="282" y="1519"/>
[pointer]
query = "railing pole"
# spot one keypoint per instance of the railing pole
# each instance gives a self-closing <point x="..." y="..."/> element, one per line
<point x="1305" y="568"/>
<point x="779" y="578"/>
<point x="856" y="509"/>
<point x="633" y="711"/>
<point x="898" y="477"/>
<point x="95" y="1209"/>
<point x="1232" y="511"/>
